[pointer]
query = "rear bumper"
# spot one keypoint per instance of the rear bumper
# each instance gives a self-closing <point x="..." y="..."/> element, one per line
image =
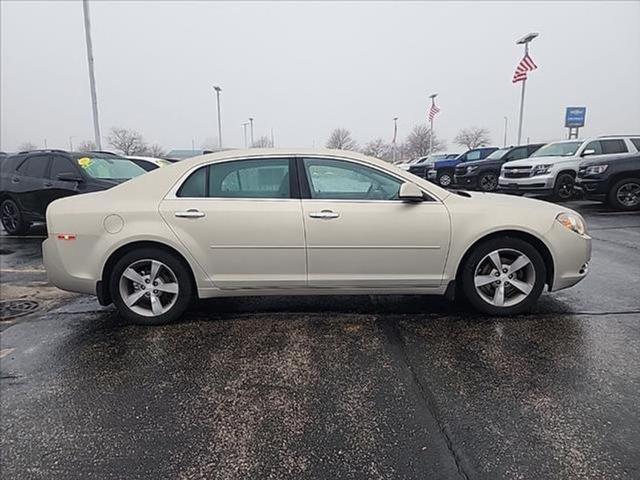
<point x="66" y="275"/>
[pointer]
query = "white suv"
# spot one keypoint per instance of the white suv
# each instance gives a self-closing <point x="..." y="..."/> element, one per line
<point x="551" y="171"/>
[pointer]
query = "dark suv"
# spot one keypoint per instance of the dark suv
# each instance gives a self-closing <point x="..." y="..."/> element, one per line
<point x="30" y="181"/>
<point x="616" y="180"/>
<point x="483" y="174"/>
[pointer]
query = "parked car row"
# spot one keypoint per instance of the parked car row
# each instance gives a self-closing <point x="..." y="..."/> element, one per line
<point x="602" y="168"/>
<point x="30" y="181"/>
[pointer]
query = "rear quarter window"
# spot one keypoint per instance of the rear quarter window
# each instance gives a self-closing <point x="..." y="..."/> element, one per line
<point x="636" y="143"/>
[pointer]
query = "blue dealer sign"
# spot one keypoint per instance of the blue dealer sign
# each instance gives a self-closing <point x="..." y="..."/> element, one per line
<point x="574" y="117"/>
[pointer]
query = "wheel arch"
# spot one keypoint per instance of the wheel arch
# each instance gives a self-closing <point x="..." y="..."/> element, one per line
<point x="567" y="172"/>
<point x="536" y="242"/>
<point x="104" y="293"/>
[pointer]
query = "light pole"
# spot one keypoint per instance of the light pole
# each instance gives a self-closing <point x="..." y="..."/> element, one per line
<point x="505" y="130"/>
<point x="395" y="135"/>
<point x="244" y="131"/>
<point x="218" y="90"/>
<point x="431" y="117"/>
<point x="251" y="123"/>
<point x="92" y="77"/>
<point x="524" y="41"/>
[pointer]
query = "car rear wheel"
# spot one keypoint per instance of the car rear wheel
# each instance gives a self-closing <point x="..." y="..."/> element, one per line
<point x="151" y="287"/>
<point x="563" y="189"/>
<point x="503" y="276"/>
<point x="488" y="182"/>
<point x="445" y="178"/>
<point x="625" y="194"/>
<point x="12" y="218"/>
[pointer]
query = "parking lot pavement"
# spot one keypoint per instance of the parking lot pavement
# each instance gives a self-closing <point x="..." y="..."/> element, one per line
<point x="329" y="387"/>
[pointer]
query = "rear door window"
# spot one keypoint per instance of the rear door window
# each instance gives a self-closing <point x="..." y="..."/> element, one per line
<point x="264" y="178"/>
<point x="35" y="166"/>
<point x="613" y="146"/>
<point x="61" y="165"/>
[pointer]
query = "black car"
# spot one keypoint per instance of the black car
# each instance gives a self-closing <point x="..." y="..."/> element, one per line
<point x="483" y="174"/>
<point x="30" y="181"/>
<point x="615" y="180"/>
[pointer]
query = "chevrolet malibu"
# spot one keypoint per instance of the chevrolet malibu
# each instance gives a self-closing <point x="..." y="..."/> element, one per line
<point x="276" y="222"/>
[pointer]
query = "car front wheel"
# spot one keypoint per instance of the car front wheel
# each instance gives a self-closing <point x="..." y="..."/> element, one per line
<point x="503" y="276"/>
<point x="563" y="188"/>
<point x="488" y="182"/>
<point x="12" y="218"/>
<point x="625" y="194"/>
<point x="445" y="179"/>
<point x="150" y="286"/>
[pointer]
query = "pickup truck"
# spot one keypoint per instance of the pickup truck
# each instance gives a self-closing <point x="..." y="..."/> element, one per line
<point x="552" y="170"/>
<point x="615" y="181"/>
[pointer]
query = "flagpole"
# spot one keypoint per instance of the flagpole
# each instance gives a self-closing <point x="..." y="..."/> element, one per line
<point x="524" y="41"/>
<point x="433" y="102"/>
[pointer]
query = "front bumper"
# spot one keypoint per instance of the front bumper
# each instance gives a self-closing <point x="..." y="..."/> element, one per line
<point x="470" y="181"/>
<point x="592" y="186"/>
<point x="538" y="184"/>
<point x="571" y="255"/>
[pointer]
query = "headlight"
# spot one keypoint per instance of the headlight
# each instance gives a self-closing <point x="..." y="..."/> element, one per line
<point x="540" y="169"/>
<point x="572" y="222"/>
<point x="595" y="169"/>
<point x="471" y="168"/>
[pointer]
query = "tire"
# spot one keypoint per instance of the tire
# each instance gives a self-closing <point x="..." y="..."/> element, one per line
<point x="625" y="194"/>
<point x="479" y="267"/>
<point x="488" y="182"/>
<point x="12" y="218"/>
<point x="141" y="308"/>
<point x="445" y="178"/>
<point x="563" y="188"/>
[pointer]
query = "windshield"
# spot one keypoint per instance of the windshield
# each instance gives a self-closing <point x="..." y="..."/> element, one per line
<point x="110" y="168"/>
<point x="562" y="149"/>
<point x="498" y="154"/>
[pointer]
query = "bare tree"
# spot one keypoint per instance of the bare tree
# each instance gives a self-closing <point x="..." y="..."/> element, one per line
<point x="87" y="146"/>
<point x="417" y="143"/>
<point x="262" y="142"/>
<point x="473" y="137"/>
<point x="129" y="142"/>
<point x="154" y="150"/>
<point x="24" y="146"/>
<point x="341" y="139"/>
<point x="378" y="148"/>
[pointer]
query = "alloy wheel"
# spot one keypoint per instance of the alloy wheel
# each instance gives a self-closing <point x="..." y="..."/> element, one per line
<point x="149" y="287"/>
<point x="488" y="182"/>
<point x="10" y="216"/>
<point x="445" y="180"/>
<point x="565" y="189"/>
<point x="629" y="194"/>
<point x="504" y="277"/>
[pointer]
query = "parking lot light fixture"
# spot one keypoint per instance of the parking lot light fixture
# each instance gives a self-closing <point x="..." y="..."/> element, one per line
<point x="251" y="134"/>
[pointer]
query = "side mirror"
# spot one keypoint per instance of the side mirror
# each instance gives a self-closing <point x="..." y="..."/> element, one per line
<point x="410" y="192"/>
<point x="588" y="152"/>
<point x="70" y="177"/>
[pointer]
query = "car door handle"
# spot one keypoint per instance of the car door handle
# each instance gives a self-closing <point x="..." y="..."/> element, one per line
<point x="15" y="180"/>
<point x="324" y="214"/>
<point x="191" y="213"/>
<point x="48" y="184"/>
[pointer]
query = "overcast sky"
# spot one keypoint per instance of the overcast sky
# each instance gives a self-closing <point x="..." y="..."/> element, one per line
<point x="304" y="68"/>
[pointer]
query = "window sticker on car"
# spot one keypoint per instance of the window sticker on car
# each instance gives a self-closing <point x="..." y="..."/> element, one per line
<point x="84" y="162"/>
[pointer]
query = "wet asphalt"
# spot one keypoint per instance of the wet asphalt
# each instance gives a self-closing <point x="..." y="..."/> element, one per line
<point x="398" y="387"/>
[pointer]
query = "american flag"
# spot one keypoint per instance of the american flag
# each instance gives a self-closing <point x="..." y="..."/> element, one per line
<point x="525" y="65"/>
<point x="433" y="111"/>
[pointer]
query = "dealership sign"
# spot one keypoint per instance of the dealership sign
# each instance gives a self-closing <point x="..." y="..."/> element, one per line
<point x="574" y="117"/>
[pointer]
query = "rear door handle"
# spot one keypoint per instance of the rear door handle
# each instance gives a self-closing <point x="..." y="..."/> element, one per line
<point x="191" y="213"/>
<point x="47" y="184"/>
<point x="324" y="214"/>
<point x="15" y="180"/>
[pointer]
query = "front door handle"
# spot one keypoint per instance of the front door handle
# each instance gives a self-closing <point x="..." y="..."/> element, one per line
<point x="48" y="184"/>
<point x="191" y="213"/>
<point x="324" y="214"/>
